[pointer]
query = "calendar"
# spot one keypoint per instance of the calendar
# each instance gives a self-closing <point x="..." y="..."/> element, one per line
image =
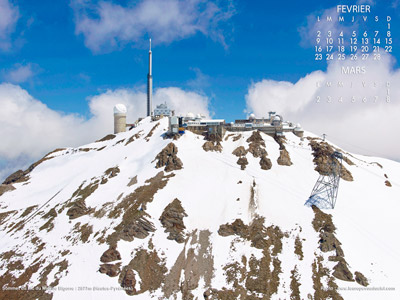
<point x="356" y="39"/>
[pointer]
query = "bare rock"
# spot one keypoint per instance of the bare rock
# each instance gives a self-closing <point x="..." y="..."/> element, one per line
<point x="257" y="150"/>
<point x="242" y="162"/>
<point x="284" y="158"/>
<point x="387" y="183"/>
<point x="129" y="282"/>
<point x="139" y="228"/>
<point x="17" y="176"/>
<point x="110" y="269"/>
<point x="256" y="138"/>
<point x="322" y="152"/>
<point x="265" y="163"/>
<point x="78" y="209"/>
<point x="212" y="146"/>
<point x="172" y="220"/>
<point x="328" y="242"/>
<point x="107" y="138"/>
<point x="6" y="188"/>
<point x="239" y="151"/>
<point x="281" y="141"/>
<point x="110" y="255"/>
<point x="342" y="272"/>
<point x="168" y="158"/>
<point x="361" y="279"/>
<point x="236" y="228"/>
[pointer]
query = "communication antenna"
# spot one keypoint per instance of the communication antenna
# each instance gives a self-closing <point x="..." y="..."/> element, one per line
<point x="324" y="193"/>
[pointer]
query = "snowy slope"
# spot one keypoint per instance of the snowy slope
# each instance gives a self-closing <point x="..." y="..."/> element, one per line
<point x="63" y="257"/>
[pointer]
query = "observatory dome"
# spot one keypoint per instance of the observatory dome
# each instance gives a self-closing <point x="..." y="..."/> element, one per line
<point x="252" y="117"/>
<point x="277" y="118"/>
<point x="190" y="115"/>
<point x="120" y="109"/>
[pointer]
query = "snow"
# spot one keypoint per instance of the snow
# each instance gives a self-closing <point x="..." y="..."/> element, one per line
<point x="366" y="213"/>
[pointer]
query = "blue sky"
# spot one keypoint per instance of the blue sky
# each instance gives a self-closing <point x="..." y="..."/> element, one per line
<point x="74" y="59"/>
<point x="262" y="38"/>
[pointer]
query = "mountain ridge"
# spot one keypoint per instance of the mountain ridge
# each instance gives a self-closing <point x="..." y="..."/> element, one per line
<point x="194" y="219"/>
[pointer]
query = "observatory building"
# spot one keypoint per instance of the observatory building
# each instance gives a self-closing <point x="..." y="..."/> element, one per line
<point x="119" y="118"/>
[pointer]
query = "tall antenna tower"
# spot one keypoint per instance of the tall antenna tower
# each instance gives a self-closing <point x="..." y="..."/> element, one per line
<point x="149" y="85"/>
<point x="324" y="193"/>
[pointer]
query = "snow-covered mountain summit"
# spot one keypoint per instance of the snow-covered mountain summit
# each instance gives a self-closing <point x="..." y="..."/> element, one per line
<point x="139" y="216"/>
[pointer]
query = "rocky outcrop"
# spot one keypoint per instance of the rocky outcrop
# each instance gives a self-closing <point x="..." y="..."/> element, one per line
<point x="212" y="146"/>
<point x="242" y="162"/>
<point x="239" y="151"/>
<point x="150" y="268"/>
<point x="106" y="138"/>
<point x="328" y="242"/>
<point x="110" y="269"/>
<point x="78" y="209"/>
<point x="284" y="158"/>
<point x="6" y="188"/>
<point x="342" y="272"/>
<point x="281" y="141"/>
<point x="387" y="183"/>
<point x="128" y="282"/>
<point x="256" y="138"/>
<point x="22" y="176"/>
<point x="134" y="221"/>
<point x="110" y="255"/>
<point x="172" y="220"/>
<point x="322" y="152"/>
<point x="265" y="163"/>
<point x="150" y="134"/>
<point x="256" y="145"/>
<point x="138" y="228"/>
<point x="252" y="278"/>
<point x="168" y="158"/>
<point x="361" y="279"/>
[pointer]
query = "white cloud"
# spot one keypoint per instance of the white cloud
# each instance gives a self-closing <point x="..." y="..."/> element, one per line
<point x="9" y="16"/>
<point x="200" y="81"/>
<point x="21" y="73"/>
<point x="106" y="25"/>
<point x="371" y="127"/>
<point x="29" y="129"/>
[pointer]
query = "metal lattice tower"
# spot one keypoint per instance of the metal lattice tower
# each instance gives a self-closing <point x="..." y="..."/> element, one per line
<point x="324" y="193"/>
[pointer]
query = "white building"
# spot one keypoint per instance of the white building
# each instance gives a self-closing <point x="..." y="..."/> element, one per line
<point x="163" y="110"/>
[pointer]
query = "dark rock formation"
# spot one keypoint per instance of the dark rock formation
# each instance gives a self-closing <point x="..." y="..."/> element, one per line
<point x="239" y="151"/>
<point x="6" y="188"/>
<point x="265" y="163"/>
<point x="322" y="152"/>
<point x="284" y="158"/>
<point x="342" y="272"/>
<point x="387" y="183"/>
<point x="257" y="150"/>
<point x="78" y="209"/>
<point x="110" y="255"/>
<point x="139" y="228"/>
<point x="256" y="138"/>
<point x="361" y="279"/>
<point x="212" y="146"/>
<point x="129" y="282"/>
<point x="106" y="138"/>
<point x="323" y="224"/>
<point x="172" y="220"/>
<point x="110" y="269"/>
<point x="242" y="162"/>
<point x="168" y="158"/>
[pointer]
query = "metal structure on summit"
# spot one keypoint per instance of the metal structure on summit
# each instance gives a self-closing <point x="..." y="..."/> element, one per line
<point x="324" y="193"/>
